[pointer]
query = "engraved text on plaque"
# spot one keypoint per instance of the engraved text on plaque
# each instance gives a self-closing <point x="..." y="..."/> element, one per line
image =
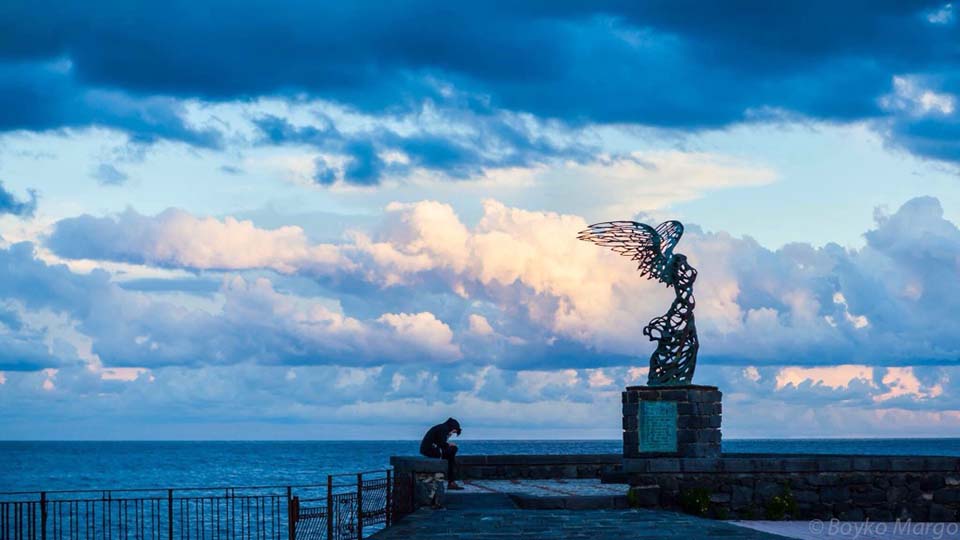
<point x="657" y="423"/>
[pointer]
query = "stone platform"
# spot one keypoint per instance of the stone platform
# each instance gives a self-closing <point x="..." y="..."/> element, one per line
<point x="572" y="494"/>
<point x="732" y="486"/>
<point x="489" y="516"/>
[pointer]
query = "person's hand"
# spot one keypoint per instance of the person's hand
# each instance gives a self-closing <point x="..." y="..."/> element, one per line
<point x="452" y="444"/>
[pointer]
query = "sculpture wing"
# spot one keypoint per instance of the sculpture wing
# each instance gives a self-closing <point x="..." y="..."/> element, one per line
<point x="639" y="241"/>
<point x="670" y="233"/>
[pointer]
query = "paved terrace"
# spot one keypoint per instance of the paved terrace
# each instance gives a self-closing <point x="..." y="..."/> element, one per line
<point x="486" y="510"/>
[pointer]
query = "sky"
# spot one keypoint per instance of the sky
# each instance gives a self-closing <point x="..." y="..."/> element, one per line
<point x="327" y="220"/>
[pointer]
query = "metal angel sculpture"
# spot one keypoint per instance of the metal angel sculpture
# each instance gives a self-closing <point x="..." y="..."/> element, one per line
<point x="676" y="356"/>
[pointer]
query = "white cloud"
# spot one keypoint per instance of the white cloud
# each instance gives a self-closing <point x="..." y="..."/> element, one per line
<point x="944" y="15"/>
<point x="479" y="325"/>
<point x="426" y="331"/>
<point x="901" y="381"/>
<point x="831" y="376"/>
<point x="179" y="239"/>
<point x="909" y="96"/>
<point x="811" y="305"/>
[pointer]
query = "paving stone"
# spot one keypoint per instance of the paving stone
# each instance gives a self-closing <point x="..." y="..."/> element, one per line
<point x="465" y="522"/>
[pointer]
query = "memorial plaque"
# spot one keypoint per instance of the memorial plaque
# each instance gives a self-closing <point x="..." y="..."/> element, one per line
<point x="657" y="423"/>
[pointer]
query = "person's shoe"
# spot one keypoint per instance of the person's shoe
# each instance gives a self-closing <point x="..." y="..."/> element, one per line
<point x="454" y="486"/>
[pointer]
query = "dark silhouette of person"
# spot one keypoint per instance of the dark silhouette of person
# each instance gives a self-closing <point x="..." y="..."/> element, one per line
<point x="436" y="444"/>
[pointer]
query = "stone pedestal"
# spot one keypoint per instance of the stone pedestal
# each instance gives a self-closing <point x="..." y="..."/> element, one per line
<point x="671" y="421"/>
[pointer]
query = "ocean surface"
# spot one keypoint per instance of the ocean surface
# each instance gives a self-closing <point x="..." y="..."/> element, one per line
<point x="30" y="466"/>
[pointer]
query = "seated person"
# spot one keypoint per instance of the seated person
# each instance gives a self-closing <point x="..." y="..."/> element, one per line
<point x="435" y="444"/>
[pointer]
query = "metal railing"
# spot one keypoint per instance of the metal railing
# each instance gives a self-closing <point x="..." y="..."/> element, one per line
<point x="347" y="506"/>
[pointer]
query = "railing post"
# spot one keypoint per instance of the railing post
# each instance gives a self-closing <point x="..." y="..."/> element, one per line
<point x="329" y="507"/>
<point x="43" y="515"/>
<point x="389" y="509"/>
<point x="170" y="514"/>
<point x="291" y="517"/>
<point x="359" y="506"/>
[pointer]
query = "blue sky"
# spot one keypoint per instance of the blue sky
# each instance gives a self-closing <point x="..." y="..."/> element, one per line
<point x="310" y="219"/>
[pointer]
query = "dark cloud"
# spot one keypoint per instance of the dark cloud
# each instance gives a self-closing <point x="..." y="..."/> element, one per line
<point x="10" y="204"/>
<point x="45" y="95"/>
<point x="26" y="351"/>
<point x="38" y="285"/>
<point x="489" y="141"/>
<point x="684" y="65"/>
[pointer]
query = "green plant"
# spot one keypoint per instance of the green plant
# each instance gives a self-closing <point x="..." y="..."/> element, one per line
<point x="781" y="506"/>
<point x="695" y="501"/>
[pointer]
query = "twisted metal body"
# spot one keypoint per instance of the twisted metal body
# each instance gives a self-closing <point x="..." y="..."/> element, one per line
<point x="675" y="332"/>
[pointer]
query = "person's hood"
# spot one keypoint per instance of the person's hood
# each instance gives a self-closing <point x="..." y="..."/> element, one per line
<point x="453" y="425"/>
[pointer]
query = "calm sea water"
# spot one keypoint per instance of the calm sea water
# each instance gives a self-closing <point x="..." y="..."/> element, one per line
<point x="89" y="465"/>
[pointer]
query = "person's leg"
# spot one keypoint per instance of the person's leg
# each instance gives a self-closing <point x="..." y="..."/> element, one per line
<point x="433" y="452"/>
<point x="450" y="454"/>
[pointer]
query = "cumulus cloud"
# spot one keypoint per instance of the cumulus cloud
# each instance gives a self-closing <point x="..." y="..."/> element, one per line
<point x="176" y="238"/>
<point x="508" y="314"/>
<point x="888" y="303"/>
<point x="796" y="304"/>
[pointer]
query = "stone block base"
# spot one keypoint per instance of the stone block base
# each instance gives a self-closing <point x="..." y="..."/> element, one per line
<point x="671" y="421"/>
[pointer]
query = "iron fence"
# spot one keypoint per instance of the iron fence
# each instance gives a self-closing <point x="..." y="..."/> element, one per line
<point x="347" y="506"/>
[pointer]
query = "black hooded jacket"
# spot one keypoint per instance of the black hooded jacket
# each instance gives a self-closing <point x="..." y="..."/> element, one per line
<point x="437" y="436"/>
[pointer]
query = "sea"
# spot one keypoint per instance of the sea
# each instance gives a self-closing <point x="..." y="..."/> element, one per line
<point x="51" y="465"/>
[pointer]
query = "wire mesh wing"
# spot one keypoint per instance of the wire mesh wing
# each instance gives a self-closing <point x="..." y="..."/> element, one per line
<point x="639" y="241"/>
<point x="670" y="233"/>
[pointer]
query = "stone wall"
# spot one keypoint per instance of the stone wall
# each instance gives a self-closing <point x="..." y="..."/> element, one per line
<point x="536" y="466"/>
<point x="748" y="486"/>
<point x="744" y="486"/>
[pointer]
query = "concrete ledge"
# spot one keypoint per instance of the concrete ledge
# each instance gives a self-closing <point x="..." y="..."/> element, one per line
<point x="540" y="466"/>
<point x="540" y="459"/>
<point x="793" y="463"/>
<point x="418" y="464"/>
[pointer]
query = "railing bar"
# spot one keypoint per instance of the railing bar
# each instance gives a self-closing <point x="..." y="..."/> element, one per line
<point x="350" y="513"/>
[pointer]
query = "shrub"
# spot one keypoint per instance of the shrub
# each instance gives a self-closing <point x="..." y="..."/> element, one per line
<point x="781" y="506"/>
<point x="695" y="501"/>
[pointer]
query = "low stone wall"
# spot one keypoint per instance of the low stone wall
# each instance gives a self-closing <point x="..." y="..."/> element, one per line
<point x="536" y="466"/>
<point x="734" y="486"/>
<point x="417" y="482"/>
<point x="753" y="486"/>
